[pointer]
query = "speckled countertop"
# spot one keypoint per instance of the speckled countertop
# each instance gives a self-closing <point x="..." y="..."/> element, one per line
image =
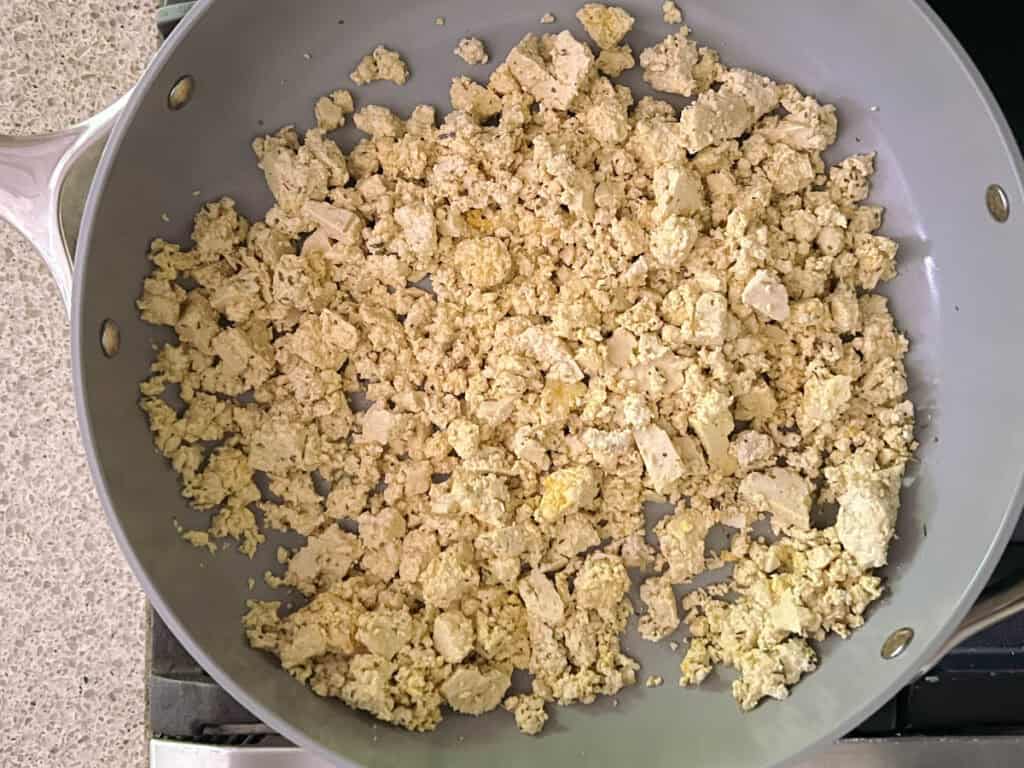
<point x="72" y="631"/>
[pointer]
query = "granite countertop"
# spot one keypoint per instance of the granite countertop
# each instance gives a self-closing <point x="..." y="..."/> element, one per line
<point x="72" y="635"/>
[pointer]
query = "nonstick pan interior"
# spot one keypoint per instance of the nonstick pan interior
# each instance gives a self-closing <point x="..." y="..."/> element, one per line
<point x="900" y="89"/>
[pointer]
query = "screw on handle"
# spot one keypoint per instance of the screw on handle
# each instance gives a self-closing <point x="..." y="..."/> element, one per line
<point x="169" y="14"/>
<point x="989" y="610"/>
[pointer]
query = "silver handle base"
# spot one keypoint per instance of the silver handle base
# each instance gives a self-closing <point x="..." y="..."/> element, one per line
<point x="44" y="182"/>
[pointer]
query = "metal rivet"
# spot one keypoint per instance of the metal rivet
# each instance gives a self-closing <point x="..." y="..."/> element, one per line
<point x="181" y="92"/>
<point x="897" y="642"/>
<point x="110" y="338"/>
<point x="997" y="203"/>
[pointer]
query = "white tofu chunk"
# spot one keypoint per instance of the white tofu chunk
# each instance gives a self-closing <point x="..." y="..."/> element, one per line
<point x="712" y="421"/>
<point x="661" y="460"/>
<point x="867" y="513"/>
<point x="766" y="294"/>
<point x="784" y="493"/>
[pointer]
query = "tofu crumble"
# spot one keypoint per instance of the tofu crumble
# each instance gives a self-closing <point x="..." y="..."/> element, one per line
<point x="464" y="355"/>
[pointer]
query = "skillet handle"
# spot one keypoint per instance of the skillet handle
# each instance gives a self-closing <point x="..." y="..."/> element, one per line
<point x="986" y="612"/>
<point x="170" y="13"/>
<point x="44" y="181"/>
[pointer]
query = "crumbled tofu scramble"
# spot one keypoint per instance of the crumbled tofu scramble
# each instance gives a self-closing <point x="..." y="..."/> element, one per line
<point x="381" y="64"/>
<point x="460" y="359"/>
<point x="670" y="13"/>
<point x="472" y="51"/>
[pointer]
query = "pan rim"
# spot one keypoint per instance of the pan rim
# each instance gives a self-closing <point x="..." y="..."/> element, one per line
<point x="911" y="661"/>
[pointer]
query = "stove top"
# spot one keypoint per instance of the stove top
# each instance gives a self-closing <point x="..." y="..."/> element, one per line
<point x="964" y="711"/>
